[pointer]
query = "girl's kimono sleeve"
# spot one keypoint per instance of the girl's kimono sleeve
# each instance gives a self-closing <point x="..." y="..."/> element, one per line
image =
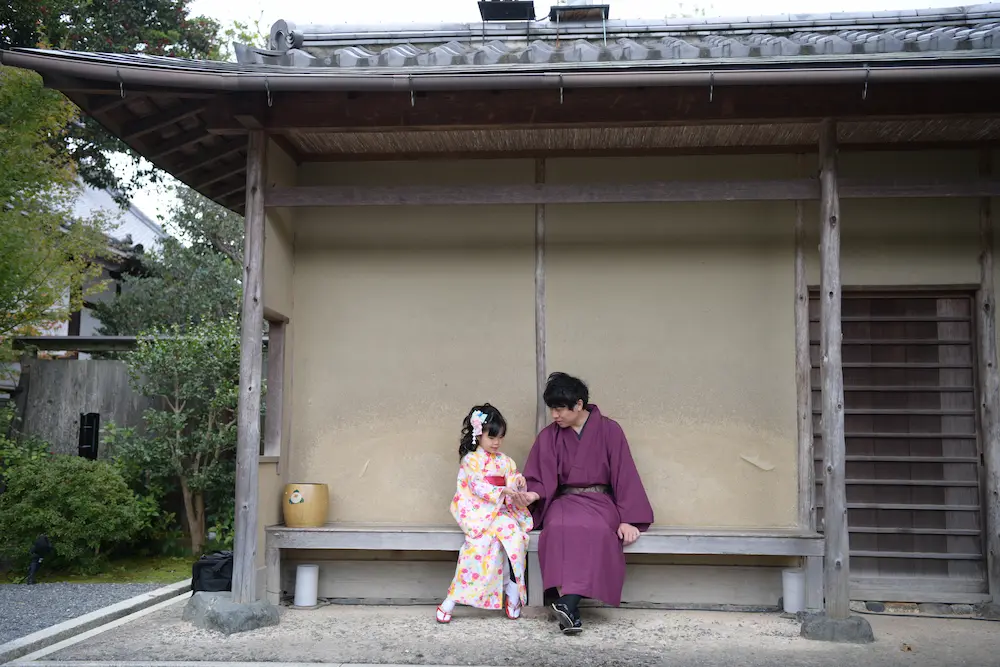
<point x="630" y="495"/>
<point x="472" y="471"/>
<point x="542" y="474"/>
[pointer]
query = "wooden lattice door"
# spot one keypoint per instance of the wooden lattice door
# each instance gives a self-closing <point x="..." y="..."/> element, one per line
<point x="914" y="468"/>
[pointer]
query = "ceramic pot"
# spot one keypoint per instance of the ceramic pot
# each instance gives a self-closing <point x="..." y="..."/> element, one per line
<point x="305" y="505"/>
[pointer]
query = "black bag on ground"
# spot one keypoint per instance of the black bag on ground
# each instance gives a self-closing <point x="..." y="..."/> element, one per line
<point x="213" y="573"/>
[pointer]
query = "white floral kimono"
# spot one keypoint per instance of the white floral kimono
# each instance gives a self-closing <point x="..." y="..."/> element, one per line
<point x="492" y="528"/>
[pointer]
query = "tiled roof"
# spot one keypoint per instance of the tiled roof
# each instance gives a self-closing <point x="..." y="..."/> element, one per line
<point x="790" y="37"/>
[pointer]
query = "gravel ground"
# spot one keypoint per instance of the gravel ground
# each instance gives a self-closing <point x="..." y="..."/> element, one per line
<point x="26" y="609"/>
<point x="612" y="638"/>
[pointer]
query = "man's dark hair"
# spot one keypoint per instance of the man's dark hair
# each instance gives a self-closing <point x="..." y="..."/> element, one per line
<point x="563" y="391"/>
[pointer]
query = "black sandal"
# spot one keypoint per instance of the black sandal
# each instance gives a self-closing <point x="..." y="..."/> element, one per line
<point x="569" y="621"/>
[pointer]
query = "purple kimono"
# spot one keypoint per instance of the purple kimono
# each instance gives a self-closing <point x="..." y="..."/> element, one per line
<point x="579" y="549"/>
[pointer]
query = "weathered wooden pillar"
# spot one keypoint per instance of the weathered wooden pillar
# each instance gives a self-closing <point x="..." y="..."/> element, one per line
<point x="248" y="416"/>
<point x="541" y="411"/>
<point x="836" y="571"/>
<point x="989" y="386"/>
<point x="803" y="379"/>
<point x="803" y="392"/>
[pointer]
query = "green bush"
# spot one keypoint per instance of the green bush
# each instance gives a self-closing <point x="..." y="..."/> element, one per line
<point x="19" y="449"/>
<point x="85" y="507"/>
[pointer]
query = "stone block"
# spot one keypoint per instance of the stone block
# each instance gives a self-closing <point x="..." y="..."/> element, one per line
<point x="218" y="612"/>
<point x="850" y="630"/>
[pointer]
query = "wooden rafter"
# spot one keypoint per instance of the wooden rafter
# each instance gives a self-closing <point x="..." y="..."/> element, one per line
<point x="158" y="121"/>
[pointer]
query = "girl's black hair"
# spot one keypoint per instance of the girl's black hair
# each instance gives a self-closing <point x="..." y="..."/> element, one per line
<point x="563" y="391"/>
<point x="495" y="426"/>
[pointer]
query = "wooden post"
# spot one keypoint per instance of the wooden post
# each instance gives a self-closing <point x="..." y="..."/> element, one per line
<point x="248" y="415"/>
<point x="836" y="567"/>
<point x="541" y="411"/>
<point x="989" y="386"/>
<point x="803" y="380"/>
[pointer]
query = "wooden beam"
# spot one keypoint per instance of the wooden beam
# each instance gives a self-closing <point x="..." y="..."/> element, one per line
<point x="803" y="378"/>
<point x="158" y="121"/>
<point x="655" y="151"/>
<point x="836" y="575"/>
<point x="609" y="107"/>
<point x="616" y="193"/>
<point x="541" y="411"/>
<point x="248" y="420"/>
<point x="989" y="385"/>
<point x="274" y="401"/>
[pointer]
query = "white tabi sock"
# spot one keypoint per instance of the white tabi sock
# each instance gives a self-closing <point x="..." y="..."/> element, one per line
<point x="512" y="591"/>
<point x="448" y="605"/>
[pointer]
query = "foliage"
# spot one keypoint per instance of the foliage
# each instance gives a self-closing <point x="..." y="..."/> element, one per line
<point x="160" y="569"/>
<point x="250" y="33"/>
<point x="151" y="27"/>
<point x="182" y="285"/>
<point x="45" y="268"/>
<point x="207" y="225"/>
<point x="15" y="449"/>
<point x="85" y="507"/>
<point x="224" y="528"/>
<point x="195" y="374"/>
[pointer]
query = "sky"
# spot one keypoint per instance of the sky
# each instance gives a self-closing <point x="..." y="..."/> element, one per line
<point x="156" y="201"/>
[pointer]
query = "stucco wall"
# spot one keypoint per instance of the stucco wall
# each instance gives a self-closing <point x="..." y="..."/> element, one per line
<point x="679" y="316"/>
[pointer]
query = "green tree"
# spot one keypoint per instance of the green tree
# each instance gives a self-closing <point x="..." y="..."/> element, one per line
<point x="182" y="284"/>
<point x="191" y="439"/>
<point x="151" y="27"/>
<point x="45" y="268"/>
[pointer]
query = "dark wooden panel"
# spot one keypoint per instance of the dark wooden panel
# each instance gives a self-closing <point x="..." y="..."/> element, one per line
<point x="913" y="461"/>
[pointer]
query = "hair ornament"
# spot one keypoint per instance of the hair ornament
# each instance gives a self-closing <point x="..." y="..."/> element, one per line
<point x="477" y="419"/>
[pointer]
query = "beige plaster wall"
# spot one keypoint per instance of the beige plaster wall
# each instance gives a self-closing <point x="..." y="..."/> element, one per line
<point x="679" y="316"/>
<point x="406" y="318"/>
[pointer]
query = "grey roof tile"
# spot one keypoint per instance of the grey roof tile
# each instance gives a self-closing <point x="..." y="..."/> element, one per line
<point x="903" y="33"/>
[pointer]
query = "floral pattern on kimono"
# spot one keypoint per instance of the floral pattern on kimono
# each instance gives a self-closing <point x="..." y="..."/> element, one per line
<point x="492" y="529"/>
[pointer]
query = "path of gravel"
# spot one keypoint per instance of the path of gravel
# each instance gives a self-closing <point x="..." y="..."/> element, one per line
<point x="613" y="638"/>
<point x="26" y="609"/>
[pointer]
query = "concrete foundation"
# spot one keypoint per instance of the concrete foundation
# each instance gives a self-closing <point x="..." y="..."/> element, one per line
<point x="853" y="629"/>
<point x="989" y="610"/>
<point x="218" y="612"/>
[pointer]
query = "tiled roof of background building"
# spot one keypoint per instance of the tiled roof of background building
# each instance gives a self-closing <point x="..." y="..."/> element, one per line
<point x="801" y="36"/>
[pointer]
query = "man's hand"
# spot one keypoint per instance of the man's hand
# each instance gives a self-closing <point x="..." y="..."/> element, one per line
<point x="628" y="533"/>
<point x="524" y="498"/>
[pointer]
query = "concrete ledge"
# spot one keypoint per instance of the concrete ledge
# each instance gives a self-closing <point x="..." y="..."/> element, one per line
<point x="74" y="663"/>
<point x="38" y="640"/>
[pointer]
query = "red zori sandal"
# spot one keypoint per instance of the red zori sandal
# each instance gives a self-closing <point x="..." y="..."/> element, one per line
<point x="443" y="616"/>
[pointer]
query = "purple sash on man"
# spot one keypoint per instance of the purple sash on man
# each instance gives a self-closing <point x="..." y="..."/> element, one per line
<point x="579" y="549"/>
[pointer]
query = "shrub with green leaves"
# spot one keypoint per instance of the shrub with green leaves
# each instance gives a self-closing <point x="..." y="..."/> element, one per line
<point x="85" y="507"/>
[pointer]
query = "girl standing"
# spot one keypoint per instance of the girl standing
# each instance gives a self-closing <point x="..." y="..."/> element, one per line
<point x="494" y="527"/>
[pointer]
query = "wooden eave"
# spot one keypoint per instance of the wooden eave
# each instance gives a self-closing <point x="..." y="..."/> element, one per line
<point x="198" y="134"/>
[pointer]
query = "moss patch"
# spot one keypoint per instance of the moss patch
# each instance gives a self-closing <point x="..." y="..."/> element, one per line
<point x="151" y="570"/>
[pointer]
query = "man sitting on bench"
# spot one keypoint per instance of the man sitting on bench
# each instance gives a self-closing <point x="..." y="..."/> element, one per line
<point x="586" y="497"/>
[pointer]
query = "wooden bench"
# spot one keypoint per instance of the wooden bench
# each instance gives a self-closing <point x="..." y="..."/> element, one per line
<point x="658" y="540"/>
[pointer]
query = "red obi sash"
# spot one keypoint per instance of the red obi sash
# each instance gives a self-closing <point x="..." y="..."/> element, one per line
<point x="496" y="480"/>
